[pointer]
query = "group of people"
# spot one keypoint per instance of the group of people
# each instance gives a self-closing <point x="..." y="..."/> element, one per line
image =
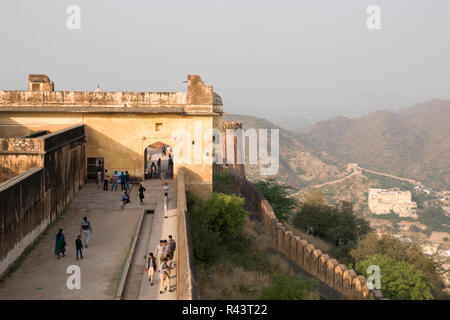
<point x="85" y="233"/>
<point x="118" y="178"/>
<point x="163" y="258"/>
<point x="157" y="171"/>
<point x="125" y="198"/>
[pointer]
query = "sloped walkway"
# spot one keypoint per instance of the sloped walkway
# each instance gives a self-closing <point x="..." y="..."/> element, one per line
<point x="161" y="229"/>
<point x="42" y="276"/>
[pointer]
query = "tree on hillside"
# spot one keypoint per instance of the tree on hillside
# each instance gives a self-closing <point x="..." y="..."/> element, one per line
<point x="214" y="223"/>
<point x="339" y="225"/>
<point x="278" y="197"/>
<point x="410" y="253"/>
<point x="399" y="280"/>
<point x="315" y="198"/>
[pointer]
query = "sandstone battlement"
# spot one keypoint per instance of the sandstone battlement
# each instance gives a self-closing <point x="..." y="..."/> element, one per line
<point x="199" y="97"/>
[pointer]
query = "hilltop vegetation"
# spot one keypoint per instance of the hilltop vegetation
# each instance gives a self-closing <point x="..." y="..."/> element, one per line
<point x="406" y="273"/>
<point x="412" y="143"/>
<point x="233" y="256"/>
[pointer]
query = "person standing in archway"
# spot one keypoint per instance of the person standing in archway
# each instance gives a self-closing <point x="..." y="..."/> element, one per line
<point x="153" y="168"/>
<point x="159" y="165"/>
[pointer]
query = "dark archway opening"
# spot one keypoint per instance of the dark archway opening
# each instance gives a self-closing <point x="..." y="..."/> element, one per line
<point x="158" y="161"/>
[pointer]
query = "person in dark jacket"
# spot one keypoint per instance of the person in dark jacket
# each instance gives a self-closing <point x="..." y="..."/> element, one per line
<point x="127" y="180"/>
<point x="172" y="246"/>
<point x="151" y="267"/>
<point x="158" y="163"/>
<point x="141" y="193"/>
<point x="79" y="246"/>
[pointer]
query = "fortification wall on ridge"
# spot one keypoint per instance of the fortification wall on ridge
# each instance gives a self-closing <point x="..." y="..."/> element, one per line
<point x="304" y="254"/>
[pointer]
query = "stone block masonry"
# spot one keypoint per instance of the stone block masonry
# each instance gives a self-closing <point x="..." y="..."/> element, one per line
<point x="30" y="201"/>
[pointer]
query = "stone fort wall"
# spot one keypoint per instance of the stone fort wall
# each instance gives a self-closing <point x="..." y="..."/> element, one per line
<point x="186" y="286"/>
<point x="304" y="254"/>
<point x="31" y="201"/>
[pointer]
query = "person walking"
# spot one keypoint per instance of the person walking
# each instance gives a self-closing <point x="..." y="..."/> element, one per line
<point x="153" y="170"/>
<point x="164" y="150"/>
<point x="159" y="252"/>
<point x="158" y="163"/>
<point x="172" y="246"/>
<point x="151" y="267"/>
<point x="166" y="205"/>
<point x="170" y="267"/>
<point x="127" y="180"/>
<point x="164" y="276"/>
<point x="170" y="165"/>
<point x="105" y="180"/>
<point x="86" y="230"/>
<point x="166" y="248"/>
<point x="115" y="179"/>
<point x="125" y="199"/>
<point x="166" y="191"/>
<point x="141" y="193"/>
<point x="99" y="178"/>
<point x="166" y="199"/>
<point x="79" y="246"/>
<point x="60" y="245"/>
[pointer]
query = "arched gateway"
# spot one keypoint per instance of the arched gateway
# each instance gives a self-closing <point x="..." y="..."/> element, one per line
<point x="121" y="125"/>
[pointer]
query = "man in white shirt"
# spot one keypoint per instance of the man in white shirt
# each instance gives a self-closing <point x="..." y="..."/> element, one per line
<point x="159" y="252"/>
<point x="166" y="199"/>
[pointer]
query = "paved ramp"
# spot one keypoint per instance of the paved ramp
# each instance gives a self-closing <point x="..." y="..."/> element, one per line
<point x="42" y="276"/>
<point x="154" y="228"/>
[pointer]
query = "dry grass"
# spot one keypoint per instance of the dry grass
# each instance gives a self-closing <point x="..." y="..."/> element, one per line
<point x="229" y="279"/>
<point x="230" y="282"/>
<point x="323" y="245"/>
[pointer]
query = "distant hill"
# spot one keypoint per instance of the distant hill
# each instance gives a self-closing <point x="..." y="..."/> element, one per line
<point x="299" y="165"/>
<point x="413" y="143"/>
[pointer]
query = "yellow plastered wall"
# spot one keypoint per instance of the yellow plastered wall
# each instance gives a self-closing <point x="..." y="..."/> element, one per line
<point x="121" y="138"/>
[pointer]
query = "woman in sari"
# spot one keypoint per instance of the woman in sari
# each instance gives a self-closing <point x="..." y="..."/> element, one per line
<point x="60" y="246"/>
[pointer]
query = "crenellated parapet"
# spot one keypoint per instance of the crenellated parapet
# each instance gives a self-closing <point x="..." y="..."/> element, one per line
<point x="199" y="98"/>
<point x="320" y="265"/>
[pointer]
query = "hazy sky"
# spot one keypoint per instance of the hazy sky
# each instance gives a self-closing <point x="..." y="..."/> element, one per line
<point x="284" y="60"/>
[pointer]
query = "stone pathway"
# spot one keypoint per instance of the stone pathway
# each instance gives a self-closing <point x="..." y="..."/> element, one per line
<point x="42" y="276"/>
<point x="161" y="229"/>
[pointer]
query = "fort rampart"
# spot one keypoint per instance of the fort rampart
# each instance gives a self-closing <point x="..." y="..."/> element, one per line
<point x="186" y="285"/>
<point x="304" y="254"/>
